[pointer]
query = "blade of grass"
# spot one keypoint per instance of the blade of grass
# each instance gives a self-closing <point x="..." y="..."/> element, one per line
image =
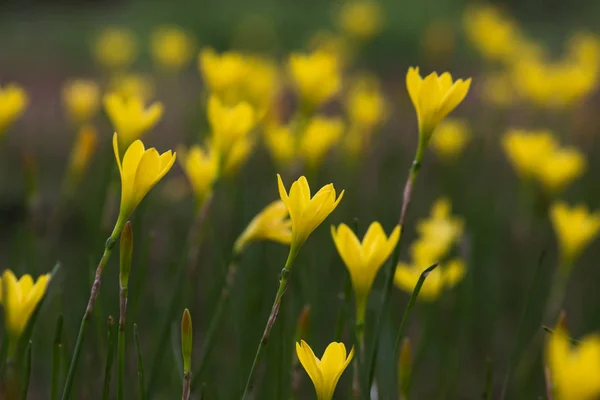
<point x="489" y="379"/>
<point x="27" y="373"/>
<point x="110" y="354"/>
<point x="56" y="358"/>
<point x="140" y="363"/>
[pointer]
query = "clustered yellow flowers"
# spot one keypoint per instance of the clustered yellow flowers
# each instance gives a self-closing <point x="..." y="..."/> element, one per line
<point x="13" y="101"/>
<point x="81" y="98"/>
<point x="325" y="372"/>
<point x="536" y="155"/>
<point x="171" y="47"/>
<point x="451" y="137"/>
<point x="272" y="223"/>
<point x="19" y="298"/>
<point x="316" y="77"/>
<point x="574" y="368"/>
<point x="229" y="124"/>
<point x="437" y="236"/>
<point x="364" y="259"/>
<point x="223" y="73"/>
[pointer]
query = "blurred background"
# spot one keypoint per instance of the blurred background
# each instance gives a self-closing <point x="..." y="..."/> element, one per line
<point x="535" y="69"/>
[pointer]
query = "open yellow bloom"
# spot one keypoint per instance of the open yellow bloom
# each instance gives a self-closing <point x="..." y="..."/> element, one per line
<point x="434" y="97"/>
<point x="365" y="103"/>
<point x="171" y="47"/>
<point x="444" y="277"/>
<point x="365" y="259"/>
<point x="129" y="117"/>
<point x="201" y="166"/>
<point x="223" y="73"/>
<point x="115" y="48"/>
<point x="320" y="135"/>
<point x="527" y="150"/>
<point x="575" y="228"/>
<point x="19" y="300"/>
<point x="307" y="213"/>
<point x="82" y="152"/>
<point x="272" y="223"/>
<point x="325" y="372"/>
<point x="561" y="168"/>
<point x="450" y="138"/>
<point x="316" y="76"/>
<point x="140" y="170"/>
<point x="81" y="98"/>
<point x="13" y="101"/>
<point x="281" y="143"/>
<point x="361" y="19"/>
<point x="574" y="369"/>
<point x="229" y="124"/>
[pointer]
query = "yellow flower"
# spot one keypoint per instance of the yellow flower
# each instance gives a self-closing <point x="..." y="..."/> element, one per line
<point x="140" y="170"/>
<point x="129" y="117"/>
<point x="13" y="101"/>
<point x="81" y="98"/>
<point x="171" y="47"/>
<point x="320" y="135"/>
<point x="335" y="44"/>
<point x="326" y="372"/>
<point x="528" y="150"/>
<point x="229" y="124"/>
<point x="574" y="369"/>
<point x="562" y="167"/>
<point x="441" y="228"/>
<point x="115" y="48"/>
<point x="575" y="228"/>
<point x="365" y="103"/>
<point x="82" y="152"/>
<point x="316" y="77"/>
<point x="201" y="166"/>
<point x="223" y="73"/>
<point x="238" y="155"/>
<point x="272" y="223"/>
<point x="281" y="143"/>
<point x="361" y="19"/>
<point x="444" y="277"/>
<point x="261" y="84"/>
<point x="434" y="98"/>
<point x="365" y="259"/>
<point x="450" y="138"/>
<point x="19" y="300"/>
<point x="133" y="86"/>
<point x="307" y="213"/>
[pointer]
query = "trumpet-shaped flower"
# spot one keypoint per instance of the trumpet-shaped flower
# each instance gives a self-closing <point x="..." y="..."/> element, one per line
<point x="140" y="170"/>
<point x="223" y="73"/>
<point x="82" y="152"/>
<point x="434" y="97"/>
<point x="229" y="124"/>
<point x="325" y="372"/>
<point x="365" y="259"/>
<point x="81" y="99"/>
<point x="316" y="77"/>
<point x="19" y="298"/>
<point x="13" y="101"/>
<point x="562" y="167"/>
<point x="362" y="19"/>
<point x="116" y="48"/>
<point x="129" y="117"/>
<point x="365" y="103"/>
<point x="262" y="84"/>
<point x="307" y="213"/>
<point x="442" y="278"/>
<point x="281" y="143"/>
<point x="575" y="228"/>
<point x="450" y="138"/>
<point x="318" y="138"/>
<point x="441" y="230"/>
<point x="272" y="223"/>
<point x="527" y="151"/>
<point x="238" y="155"/>
<point x="201" y="166"/>
<point x="574" y="369"/>
<point x="171" y="47"/>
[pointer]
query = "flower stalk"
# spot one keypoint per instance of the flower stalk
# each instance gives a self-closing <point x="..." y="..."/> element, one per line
<point x="126" y="253"/>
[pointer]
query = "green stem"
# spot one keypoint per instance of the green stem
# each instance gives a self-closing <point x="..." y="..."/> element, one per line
<point x="110" y="353"/>
<point x="344" y="296"/>
<point x="121" y="344"/>
<point x="557" y="294"/>
<point x="56" y="358"/>
<point x="110" y="243"/>
<point x="140" y="363"/>
<point x="489" y="379"/>
<point x="272" y="317"/>
<point x="27" y="374"/>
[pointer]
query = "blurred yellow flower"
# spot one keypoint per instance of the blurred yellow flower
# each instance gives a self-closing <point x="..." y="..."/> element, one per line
<point x="201" y="166"/>
<point x="320" y="135"/>
<point x="81" y="98"/>
<point x="19" y="300"/>
<point x="450" y="138"/>
<point x="272" y="223"/>
<point x="527" y="150"/>
<point x="133" y="85"/>
<point x="337" y="45"/>
<point x="262" y="83"/>
<point x="434" y="98"/>
<point x="584" y="48"/>
<point x="82" y="152"/>
<point x="238" y="155"/>
<point x="574" y="368"/>
<point x="325" y="372"/>
<point x="307" y="213"/>
<point x="140" y="170"/>
<point x="316" y="77"/>
<point x="223" y="73"/>
<point x="561" y="168"/>
<point x="13" y="101"/>
<point x="229" y="124"/>
<point x="281" y="143"/>
<point x="365" y="103"/>
<point x="364" y="260"/>
<point x="442" y="278"/>
<point x="171" y="47"/>
<point x="441" y="228"/>
<point x="129" y="117"/>
<point x="361" y="19"/>
<point x="115" y="48"/>
<point x="575" y="228"/>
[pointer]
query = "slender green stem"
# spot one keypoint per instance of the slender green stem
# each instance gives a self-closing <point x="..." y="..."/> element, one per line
<point x="56" y="358"/>
<point x="344" y="296"/>
<point x="285" y="272"/>
<point x="489" y="379"/>
<point x="110" y="354"/>
<point x="187" y="382"/>
<point x="27" y="373"/>
<point x="121" y="344"/>
<point x="110" y="243"/>
<point x="140" y="363"/>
